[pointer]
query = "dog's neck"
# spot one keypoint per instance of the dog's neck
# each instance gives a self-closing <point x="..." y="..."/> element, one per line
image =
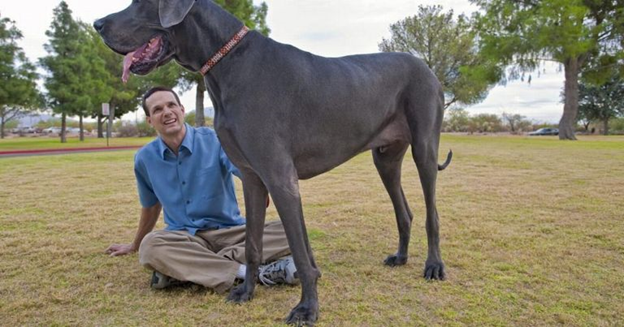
<point x="216" y="27"/>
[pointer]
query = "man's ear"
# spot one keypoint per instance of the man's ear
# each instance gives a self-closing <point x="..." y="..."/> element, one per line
<point x="148" y="119"/>
<point x="172" y="12"/>
<point x="182" y="108"/>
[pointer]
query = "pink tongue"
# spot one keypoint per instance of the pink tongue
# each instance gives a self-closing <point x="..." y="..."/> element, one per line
<point x="128" y="62"/>
<point x="126" y="66"/>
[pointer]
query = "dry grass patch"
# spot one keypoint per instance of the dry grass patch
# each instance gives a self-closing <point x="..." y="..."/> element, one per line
<point x="532" y="234"/>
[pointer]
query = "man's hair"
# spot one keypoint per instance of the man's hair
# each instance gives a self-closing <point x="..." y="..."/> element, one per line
<point x="154" y="90"/>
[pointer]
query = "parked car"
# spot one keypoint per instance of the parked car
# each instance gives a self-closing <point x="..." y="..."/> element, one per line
<point x="27" y="129"/>
<point x="52" y="130"/>
<point x="545" y="131"/>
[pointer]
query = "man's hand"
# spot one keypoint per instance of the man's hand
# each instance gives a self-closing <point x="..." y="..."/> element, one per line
<point x="120" y="249"/>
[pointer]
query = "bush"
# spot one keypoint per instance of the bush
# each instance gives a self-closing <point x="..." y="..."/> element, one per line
<point x="127" y="130"/>
<point x="190" y="119"/>
<point x="485" y="123"/>
<point x="616" y="126"/>
<point x="456" y="120"/>
<point x="145" y="129"/>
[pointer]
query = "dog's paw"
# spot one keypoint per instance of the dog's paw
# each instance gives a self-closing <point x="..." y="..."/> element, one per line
<point x="434" y="271"/>
<point x="395" y="260"/>
<point x="303" y="315"/>
<point x="239" y="294"/>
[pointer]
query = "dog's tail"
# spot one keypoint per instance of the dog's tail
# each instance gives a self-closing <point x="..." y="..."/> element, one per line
<point x="447" y="162"/>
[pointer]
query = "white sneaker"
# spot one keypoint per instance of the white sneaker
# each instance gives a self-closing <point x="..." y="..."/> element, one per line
<point x="282" y="271"/>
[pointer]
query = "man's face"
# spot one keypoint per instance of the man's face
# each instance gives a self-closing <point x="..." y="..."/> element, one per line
<point x="166" y="115"/>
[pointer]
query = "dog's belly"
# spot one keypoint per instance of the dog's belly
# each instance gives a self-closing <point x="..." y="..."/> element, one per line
<point x="315" y="158"/>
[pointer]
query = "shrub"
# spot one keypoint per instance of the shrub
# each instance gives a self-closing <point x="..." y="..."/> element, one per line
<point x="145" y="129"/>
<point x="127" y="130"/>
<point x="616" y="126"/>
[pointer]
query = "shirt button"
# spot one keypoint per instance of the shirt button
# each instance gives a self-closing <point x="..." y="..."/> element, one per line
<point x="179" y="162"/>
<point x="183" y="183"/>
<point x="188" y="201"/>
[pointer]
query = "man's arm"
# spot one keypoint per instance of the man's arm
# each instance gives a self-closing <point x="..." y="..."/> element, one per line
<point x="149" y="217"/>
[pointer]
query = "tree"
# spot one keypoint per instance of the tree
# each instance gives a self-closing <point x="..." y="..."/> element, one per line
<point x="253" y="17"/>
<point x="95" y="76"/>
<point x="18" y="87"/>
<point x="70" y="72"/>
<point x="524" y="33"/>
<point x="602" y="102"/>
<point x="516" y="122"/>
<point x="448" y="47"/>
<point x="456" y="120"/>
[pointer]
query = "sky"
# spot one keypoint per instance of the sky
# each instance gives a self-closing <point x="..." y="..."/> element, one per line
<point x="329" y="28"/>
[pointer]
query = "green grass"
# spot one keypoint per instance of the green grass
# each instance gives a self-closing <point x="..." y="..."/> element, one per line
<point x="531" y="229"/>
<point x="33" y="143"/>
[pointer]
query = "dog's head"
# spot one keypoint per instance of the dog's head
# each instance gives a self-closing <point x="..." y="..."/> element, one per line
<point x="143" y="33"/>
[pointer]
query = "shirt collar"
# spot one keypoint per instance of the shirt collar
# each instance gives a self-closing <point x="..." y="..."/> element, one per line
<point x="187" y="142"/>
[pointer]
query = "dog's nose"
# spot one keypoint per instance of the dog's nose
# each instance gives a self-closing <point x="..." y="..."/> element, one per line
<point x="98" y="25"/>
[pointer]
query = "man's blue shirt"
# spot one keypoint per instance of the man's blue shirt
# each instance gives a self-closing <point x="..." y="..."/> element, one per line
<point x="195" y="188"/>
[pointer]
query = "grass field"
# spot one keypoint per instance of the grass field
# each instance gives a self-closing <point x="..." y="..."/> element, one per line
<point x="532" y="235"/>
<point x="32" y="143"/>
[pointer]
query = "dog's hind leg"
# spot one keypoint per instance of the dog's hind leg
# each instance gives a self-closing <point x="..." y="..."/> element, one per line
<point x="425" y="156"/>
<point x="255" y="194"/>
<point x="388" y="160"/>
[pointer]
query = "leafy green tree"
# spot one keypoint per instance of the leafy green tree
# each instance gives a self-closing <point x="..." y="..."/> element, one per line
<point x="448" y="46"/>
<point x="71" y="65"/>
<point x="18" y="87"/>
<point x="254" y="17"/>
<point x="523" y="33"/>
<point x="602" y="102"/>
<point x="95" y="76"/>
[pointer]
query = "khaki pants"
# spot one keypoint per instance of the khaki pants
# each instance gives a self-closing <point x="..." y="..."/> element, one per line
<point x="209" y="258"/>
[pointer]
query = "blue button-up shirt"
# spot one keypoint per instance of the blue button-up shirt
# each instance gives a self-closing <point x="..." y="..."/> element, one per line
<point x="195" y="188"/>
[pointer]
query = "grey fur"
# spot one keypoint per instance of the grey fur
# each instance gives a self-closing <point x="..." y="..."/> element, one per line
<point x="283" y="114"/>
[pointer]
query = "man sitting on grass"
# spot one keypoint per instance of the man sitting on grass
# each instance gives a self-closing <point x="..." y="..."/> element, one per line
<point x="186" y="173"/>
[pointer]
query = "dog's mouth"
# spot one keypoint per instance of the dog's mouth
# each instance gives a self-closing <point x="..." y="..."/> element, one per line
<point x="147" y="57"/>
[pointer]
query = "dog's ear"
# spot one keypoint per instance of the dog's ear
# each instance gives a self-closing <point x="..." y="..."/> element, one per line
<point x="172" y="12"/>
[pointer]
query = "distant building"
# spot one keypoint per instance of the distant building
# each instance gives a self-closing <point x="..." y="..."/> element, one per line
<point x="32" y="120"/>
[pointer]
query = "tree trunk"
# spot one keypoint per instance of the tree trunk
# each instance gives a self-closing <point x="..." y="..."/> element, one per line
<point x="200" y="120"/>
<point x="81" y="130"/>
<point x="2" y="123"/>
<point x="570" y="108"/>
<point x="605" y="126"/>
<point x="100" y="132"/>
<point x="63" y="128"/>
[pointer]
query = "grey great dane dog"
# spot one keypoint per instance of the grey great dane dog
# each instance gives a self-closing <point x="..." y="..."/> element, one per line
<point x="283" y="114"/>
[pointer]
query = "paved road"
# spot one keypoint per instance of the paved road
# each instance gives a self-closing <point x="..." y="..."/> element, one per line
<point x="42" y="152"/>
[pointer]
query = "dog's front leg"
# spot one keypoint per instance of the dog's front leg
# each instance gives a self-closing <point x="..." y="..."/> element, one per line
<point x="255" y="194"/>
<point x="284" y="188"/>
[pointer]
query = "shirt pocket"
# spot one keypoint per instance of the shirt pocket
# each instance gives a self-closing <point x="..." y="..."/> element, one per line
<point x="209" y="182"/>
